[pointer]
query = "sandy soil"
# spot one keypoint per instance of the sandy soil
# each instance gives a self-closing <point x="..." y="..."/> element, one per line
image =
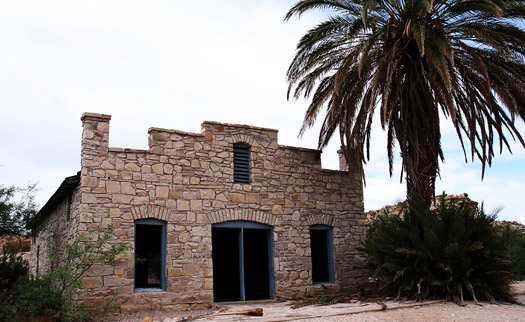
<point x="358" y="311"/>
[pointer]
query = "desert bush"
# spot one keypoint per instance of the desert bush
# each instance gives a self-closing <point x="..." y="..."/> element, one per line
<point x="12" y="265"/>
<point x="453" y="252"/>
<point x="515" y="243"/>
<point x="51" y="294"/>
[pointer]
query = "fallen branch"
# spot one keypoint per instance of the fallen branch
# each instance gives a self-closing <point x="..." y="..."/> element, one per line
<point x="251" y="312"/>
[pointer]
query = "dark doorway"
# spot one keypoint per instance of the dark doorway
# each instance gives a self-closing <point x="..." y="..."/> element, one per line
<point x="256" y="266"/>
<point x="242" y="261"/>
<point x="149" y="255"/>
<point x="322" y="258"/>
<point x="226" y="268"/>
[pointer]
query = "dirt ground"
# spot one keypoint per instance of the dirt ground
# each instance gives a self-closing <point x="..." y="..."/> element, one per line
<point x="358" y="311"/>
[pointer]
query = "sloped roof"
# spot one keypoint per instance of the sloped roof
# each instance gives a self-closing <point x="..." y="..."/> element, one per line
<point x="66" y="188"/>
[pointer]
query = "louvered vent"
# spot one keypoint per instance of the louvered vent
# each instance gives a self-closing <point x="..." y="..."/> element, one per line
<point x="241" y="163"/>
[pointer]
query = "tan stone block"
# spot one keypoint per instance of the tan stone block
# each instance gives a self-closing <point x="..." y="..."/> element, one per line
<point x="168" y="169"/>
<point x="307" y="263"/>
<point x="195" y="180"/>
<point x="202" y="219"/>
<point x="207" y="194"/>
<point x="158" y="168"/>
<point x="237" y="197"/>
<point x="190" y="195"/>
<point x="132" y="167"/>
<point x="112" y="186"/>
<point x="198" y="231"/>
<point x="92" y="282"/>
<point x="183" y="205"/>
<point x="184" y="237"/>
<point x="105" y="222"/>
<point x="253" y="197"/>
<point x="277" y="209"/>
<point x="177" y="179"/>
<point x="196" y="205"/>
<point x="140" y="200"/>
<point x="89" y="182"/>
<point x="195" y="164"/>
<point x="170" y="203"/>
<point x="127" y="188"/>
<point x="114" y="212"/>
<point x="120" y="198"/>
<point x="111" y="174"/>
<point x="162" y="192"/>
<point x="89" y="198"/>
<point x="172" y="238"/>
<point x="174" y="272"/>
<point x="107" y="166"/>
<point x="110" y="281"/>
<point x="85" y="217"/>
<point x="190" y="269"/>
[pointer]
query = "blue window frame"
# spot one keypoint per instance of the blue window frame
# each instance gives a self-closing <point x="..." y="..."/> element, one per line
<point x="241" y="163"/>
<point x="150" y="255"/>
<point x="322" y="254"/>
<point x="242" y="254"/>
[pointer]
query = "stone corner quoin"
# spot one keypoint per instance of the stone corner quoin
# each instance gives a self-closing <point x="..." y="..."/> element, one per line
<point x="183" y="188"/>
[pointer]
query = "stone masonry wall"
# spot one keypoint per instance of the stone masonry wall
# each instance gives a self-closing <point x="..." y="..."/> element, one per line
<point x="59" y="227"/>
<point x="186" y="180"/>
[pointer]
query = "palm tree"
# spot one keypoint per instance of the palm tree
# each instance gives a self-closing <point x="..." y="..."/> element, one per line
<point x="418" y="61"/>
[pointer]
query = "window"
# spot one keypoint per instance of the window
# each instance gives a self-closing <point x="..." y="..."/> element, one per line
<point x="150" y="255"/>
<point x="241" y="163"/>
<point x="322" y="254"/>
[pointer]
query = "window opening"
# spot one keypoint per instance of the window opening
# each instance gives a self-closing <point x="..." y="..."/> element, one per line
<point x="150" y="255"/>
<point x="322" y="254"/>
<point x="241" y="163"/>
<point x="68" y="208"/>
<point x="37" y="259"/>
<point x="242" y="255"/>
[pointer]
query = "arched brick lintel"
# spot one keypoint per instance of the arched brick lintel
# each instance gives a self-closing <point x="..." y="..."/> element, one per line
<point x="241" y="214"/>
<point x="243" y="138"/>
<point x="327" y="220"/>
<point x="150" y="211"/>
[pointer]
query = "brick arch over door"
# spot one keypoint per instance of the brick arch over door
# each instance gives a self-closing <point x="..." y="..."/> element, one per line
<point x="151" y="212"/>
<point x="242" y="214"/>
<point x="327" y="220"/>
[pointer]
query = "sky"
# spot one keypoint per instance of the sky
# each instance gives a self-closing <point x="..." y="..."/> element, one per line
<point x="173" y="64"/>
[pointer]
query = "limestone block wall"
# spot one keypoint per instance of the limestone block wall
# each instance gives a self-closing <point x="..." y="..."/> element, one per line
<point x="186" y="180"/>
<point x="58" y="228"/>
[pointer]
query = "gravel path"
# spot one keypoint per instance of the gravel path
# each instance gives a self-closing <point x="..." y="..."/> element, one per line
<point x="358" y="311"/>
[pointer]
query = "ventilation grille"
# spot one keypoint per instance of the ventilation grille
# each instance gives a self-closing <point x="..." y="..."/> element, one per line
<point x="241" y="163"/>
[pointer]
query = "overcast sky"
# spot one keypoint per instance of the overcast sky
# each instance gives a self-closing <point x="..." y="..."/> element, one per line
<point x="174" y="64"/>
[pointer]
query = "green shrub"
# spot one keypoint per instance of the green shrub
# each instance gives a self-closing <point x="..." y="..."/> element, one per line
<point x="12" y="265"/>
<point x="451" y="252"/>
<point x="51" y="294"/>
<point x="32" y="298"/>
<point x="515" y="243"/>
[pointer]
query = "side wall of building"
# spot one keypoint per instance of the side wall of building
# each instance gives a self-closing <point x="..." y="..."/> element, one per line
<point x="57" y="228"/>
<point x="186" y="180"/>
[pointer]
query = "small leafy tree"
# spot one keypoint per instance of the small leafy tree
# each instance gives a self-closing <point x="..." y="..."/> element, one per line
<point x="52" y="293"/>
<point x="450" y="252"/>
<point x="71" y="261"/>
<point x="14" y="215"/>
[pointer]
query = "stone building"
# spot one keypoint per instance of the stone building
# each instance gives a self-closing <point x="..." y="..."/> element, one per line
<point x="227" y="214"/>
